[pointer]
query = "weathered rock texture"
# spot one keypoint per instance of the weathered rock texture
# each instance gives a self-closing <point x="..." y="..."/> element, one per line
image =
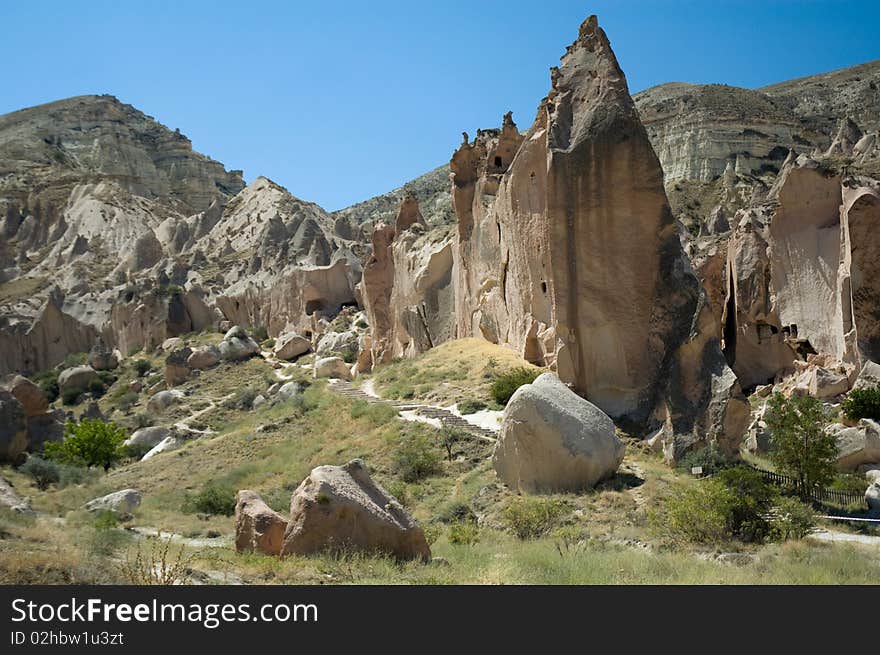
<point x="552" y="440"/>
<point x="551" y="226"/>
<point x="341" y="508"/>
<point x="258" y="528"/>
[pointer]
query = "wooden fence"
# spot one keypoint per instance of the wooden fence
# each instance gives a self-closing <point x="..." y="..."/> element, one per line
<point x="818" y="494"/>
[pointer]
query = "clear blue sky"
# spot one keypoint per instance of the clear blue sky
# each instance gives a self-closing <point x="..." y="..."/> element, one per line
<point x="340" y="101"/>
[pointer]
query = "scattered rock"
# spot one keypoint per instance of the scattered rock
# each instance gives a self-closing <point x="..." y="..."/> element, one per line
<point x="869" y="376"/>
<point x="163" y="400"/>
<point x="122" y="502"/>
<point x="168" y="443"/>
<point x="237" y="345"/>
<point x="135" y="386"/>
<point x="174" y="343"/>
<point x="290" y="389"/>
<point x="77" y="378"/>
<point x="148" y="437"/>
<point x="31" y="397"/>
<point x="9" y="498"/>
<point x="257" y="526"/>
<point x="177" y="369"/>
<point x="872" y="497"/>
<point x="102" y="358"/>
<point x="13" y="427"/>
<point x="827" y="384"/>
<point x="93" y="411"/>
<point x="552" y="440"/>
<point x="340" y="507"/>
<point x="258" y="402"/>
<point x="45" y="427"/>
<point x="332" y="367"/>
<point x="338" y="342"/>
<point x="290" y="345"/>
<point x="857" y="445"/>
<point x="205" y="357"/>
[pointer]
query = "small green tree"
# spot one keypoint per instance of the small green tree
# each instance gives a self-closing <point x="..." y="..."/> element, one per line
<point x="91" y="442"/>
<point x="800" y="446"/>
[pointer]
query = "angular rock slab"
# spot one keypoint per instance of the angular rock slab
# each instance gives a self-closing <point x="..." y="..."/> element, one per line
<point x="258" y="528"/>
<point x="122" y="502"/>
<point x="341" y="508"/>
<point x="552" y="440"/>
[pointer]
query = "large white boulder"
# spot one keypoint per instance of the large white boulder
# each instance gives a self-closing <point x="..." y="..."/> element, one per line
<point x="552" y="440"/>
<point x="162" y="400"/>
<point x="342" y="508"/>
<point x="237" y="345"/>
<point x="147" y="437"/>
<point x="290" y="345"/>
<point x="122" y="502"/>
<point x="872" y="497"/>
<point x="257" y="526"/>
<point x="338" y="342"/>
<point x="76" y="378"/>
<point x="857" y="446"/>
<point x="332" y="367"/>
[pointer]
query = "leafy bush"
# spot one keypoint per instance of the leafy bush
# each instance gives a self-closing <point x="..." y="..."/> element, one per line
<point x="471" y="406"/>
<point x="711" y="458"/>
<point x="505" y="384"/>
<point x="70" y="396"/>
<point x="734" y="504"/>
<point x="465" y="533"/>
<point x="415" y="457"/>
<point x="800" y="447"/>
<point x="259" y="334"/>
<point x="97" y="387"/>
<point x="531" y="518"/>
<point x="214" y="499"/>
<point x="141" y="367"/>
<point x="136" y="451"/>
<point x="457" y="512"/>
<point x="75" y="359"/>
<point x="269" y="343"/>
<point x="48" y="382"/>
<point x="849" y="483"/>
<point x="43" y="471"/>
<point x="791" y="519"/>
<point x="862" y="403"/>
<point x="144" y="420"/>
<point x="107" y="377"/>
<point x="91" y="442"/>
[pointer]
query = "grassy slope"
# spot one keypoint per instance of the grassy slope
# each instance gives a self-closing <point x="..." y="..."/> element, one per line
<point x="602" y="542"/>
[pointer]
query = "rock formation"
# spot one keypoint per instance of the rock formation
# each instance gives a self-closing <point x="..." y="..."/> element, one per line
<point x="552" y="440"/>
<point x="342" y="508"/>
<point x="258" y="528"/>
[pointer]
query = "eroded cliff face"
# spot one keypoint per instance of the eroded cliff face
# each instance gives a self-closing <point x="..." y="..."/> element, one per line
<point x="568" y="252"/>
<point x="801" y="275"/>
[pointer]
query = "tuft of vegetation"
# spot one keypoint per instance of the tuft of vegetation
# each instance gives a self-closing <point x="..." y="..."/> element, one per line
<point x="126" y="401"/>
<point x="43" y="471"/>
<point x="48" y="382"/>
<point x="800" y="447"/>
<point x="531" y="518"/>
<point x="91" y="442"/>
<point x="507" y="383"/>
<point x="242" y="399"/>
<point x="376" y="413"/>
<point x="97" y="387"/>
<point x="791" y="519"/>
<point x="450" y="437"/>
<point x="710" y="458"/>
<point x="74" y="359"/>
<point x="70" y="396"/>
<point x="457" y="512"/>
<point x="141" y="367"/>
<point x="144" y="420"/>
<point x="862" y="403"/>
<point x="156" y="564"/>
<point x="416" y="457"/>
<point x="465" y="533"/>
<point x="471" y="406"/>
<point x="214" y="499"/>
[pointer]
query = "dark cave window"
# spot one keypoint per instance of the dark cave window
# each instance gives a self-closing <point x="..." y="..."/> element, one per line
<point x="498" y="163"/>
<point x="313" y="306"/>
<point x="544" y="287"/>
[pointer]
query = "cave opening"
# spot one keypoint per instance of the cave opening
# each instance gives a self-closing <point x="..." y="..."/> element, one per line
<point x="313" y="306"/>
<point x="498" y="162"/>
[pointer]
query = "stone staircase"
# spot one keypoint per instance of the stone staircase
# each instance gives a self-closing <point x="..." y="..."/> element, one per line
<point x="446" y="418"/>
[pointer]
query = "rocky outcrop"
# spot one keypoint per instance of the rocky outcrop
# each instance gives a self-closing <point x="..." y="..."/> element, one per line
<point x="237" y="345"/>
<point x="340" y="508"/>
<point x="31" y="397"/>
<point x="11" y="500"/>
<point x="554" y="441"/>
<point x="147" y="438"/>
<point x="258" y="528"/>
<point x="290" y="345"/>
<point x="123" y="502"/>
<point x="550" y="224"/>
<point x="332" y="367"/>
<point x="77" y="378"/>
<point x="857" y="446"/>
<point x="801" y="271"/>
<point x="204" y="357"/>
<point x="177" y="369"/>
<point x="13" y="427"/>
<point x="102" y="358"/>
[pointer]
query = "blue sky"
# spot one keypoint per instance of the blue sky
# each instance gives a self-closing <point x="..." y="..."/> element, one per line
<point x="340" y="101"/>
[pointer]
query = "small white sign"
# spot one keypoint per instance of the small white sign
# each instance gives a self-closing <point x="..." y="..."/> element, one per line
<point x="697" y="470"/>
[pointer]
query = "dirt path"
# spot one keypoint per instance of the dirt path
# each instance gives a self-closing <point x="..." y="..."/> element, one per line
<point x="833" y="536"/>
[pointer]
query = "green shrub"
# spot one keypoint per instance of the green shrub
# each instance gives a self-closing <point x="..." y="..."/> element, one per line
<point x="415" y="457"/>
<point x="214" y="499"/>
<point x="97" y="387"/>
<point x="711" y="458"/>
<point x="144" y="420"/>
<point x="43" y="471"/>
<point x="136" y="451"/>
<point x="48" y="382"/>
<point x="800" y="447"/>
<point x="141" y="367"/>
<point x="531" y="518"/>
<point x="471" y="406"/>
<point x="72" y="475"/>
<point x="107" y="377"/>
<point x="465" y="533"/>
<point x="269" y="343"/>
<point x="259" y="334"/>
<point x="849" y="483"/>
<point x="505" y="384"/>
<point x="862" y="403"/>
<point x="734" y="504"/>
<point x="91" y="442"/>
<point x="70" y="396"/>
<point x="362" y="324"/>
<point x="457" y="512"/>
<point x="791" y="519"/>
